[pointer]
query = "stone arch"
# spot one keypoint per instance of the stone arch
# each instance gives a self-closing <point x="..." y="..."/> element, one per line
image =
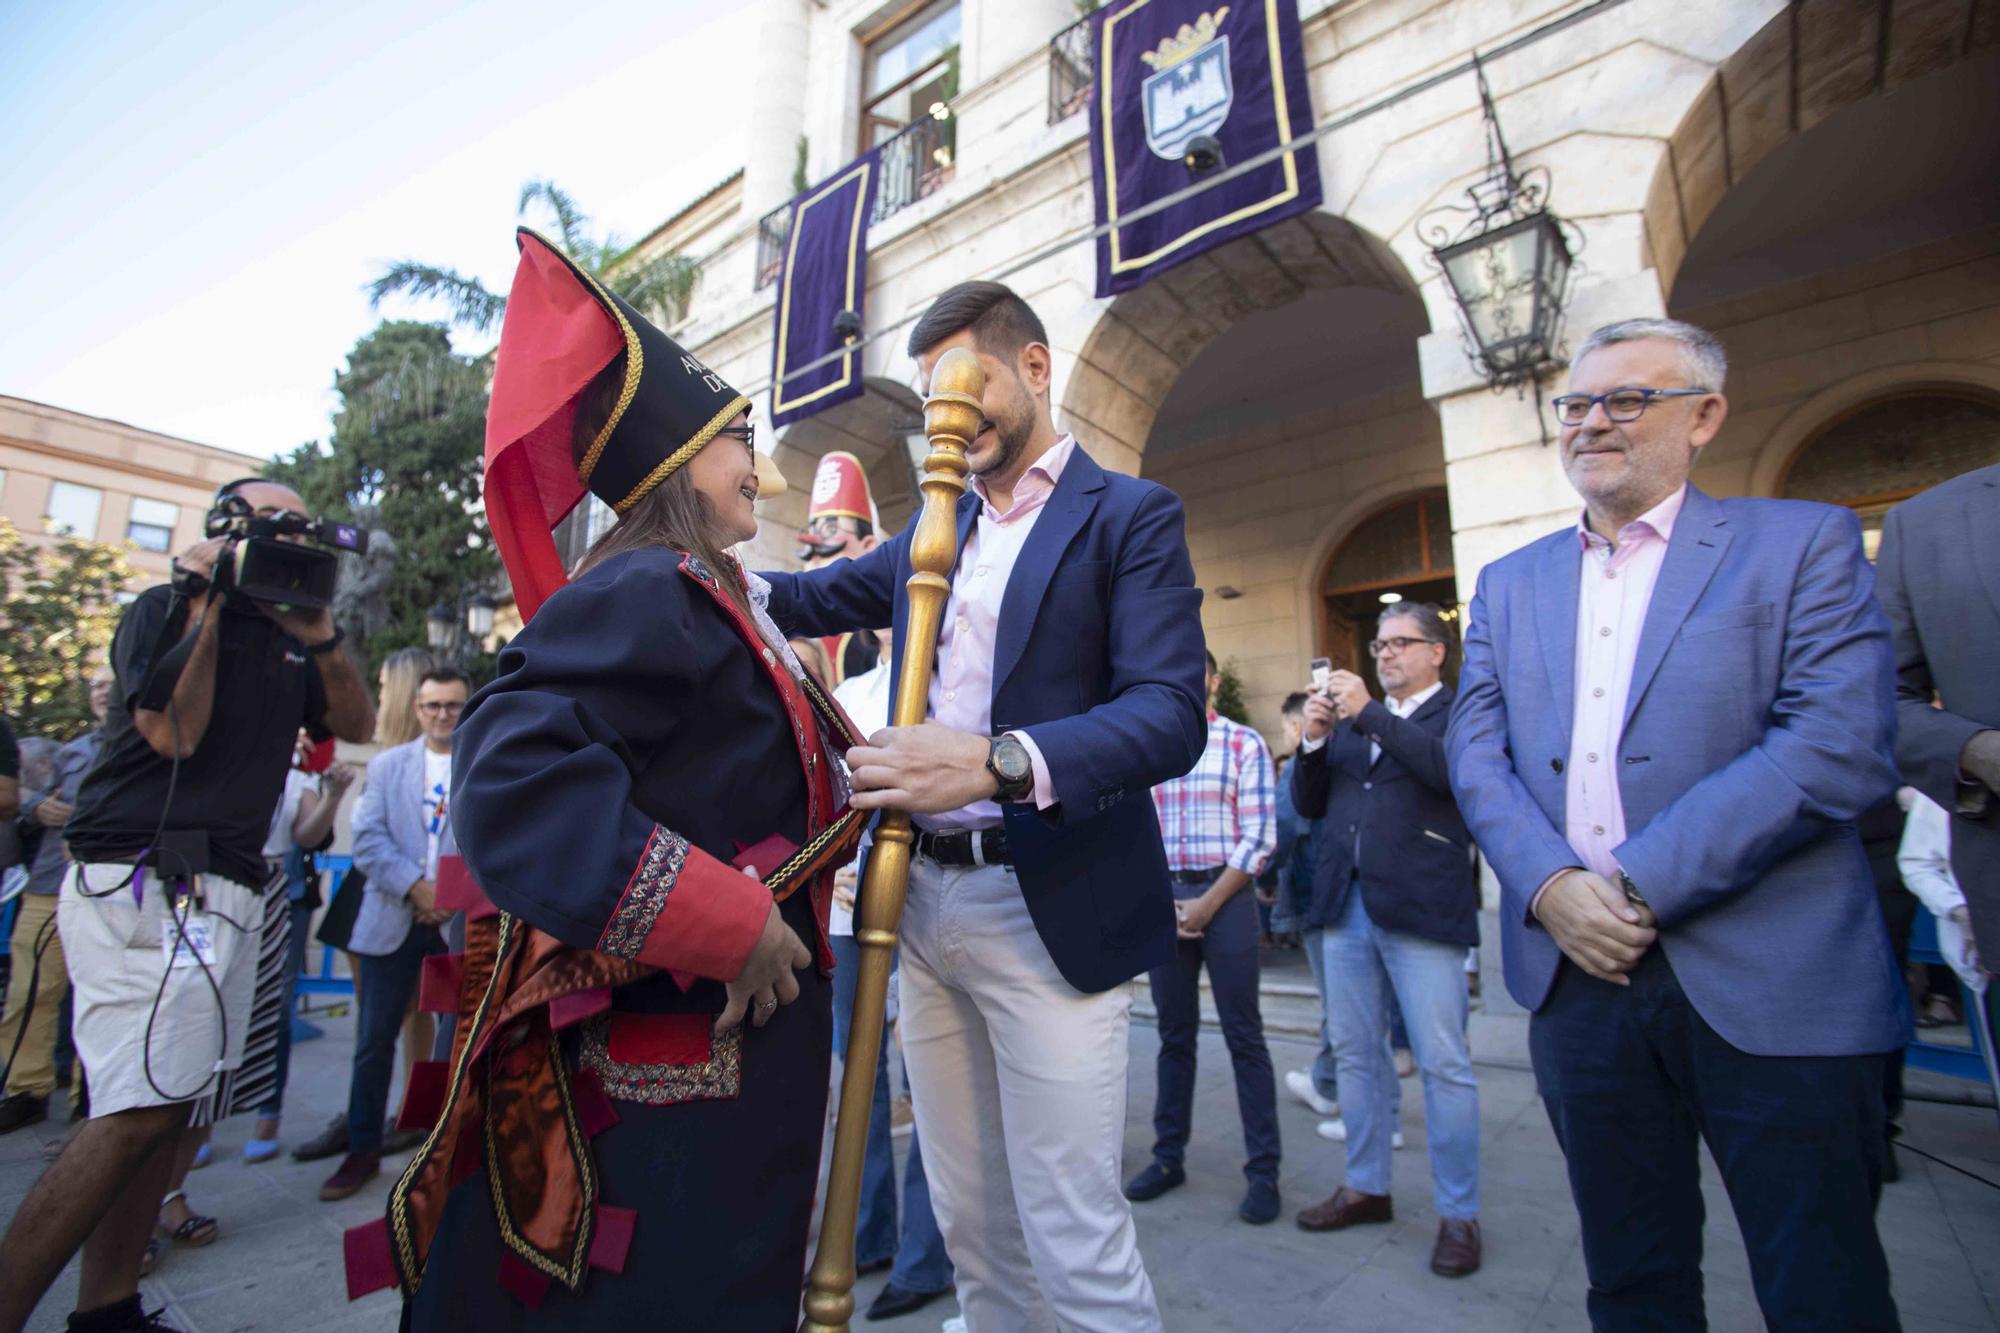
<point x="1142" y="340"/>
<point x="1809" y="419"/>
<point x="1355" y="510"/>
<point x="1801" y="67"/>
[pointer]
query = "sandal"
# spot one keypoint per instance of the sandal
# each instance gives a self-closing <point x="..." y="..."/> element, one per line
<point x="194" y="1232"/>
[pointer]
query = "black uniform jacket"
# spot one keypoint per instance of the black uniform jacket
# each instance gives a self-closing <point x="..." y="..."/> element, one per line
<point x="1393" y="822"/>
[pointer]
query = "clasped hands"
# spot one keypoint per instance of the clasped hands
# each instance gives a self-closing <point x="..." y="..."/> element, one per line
<point x="1595" y="925"/>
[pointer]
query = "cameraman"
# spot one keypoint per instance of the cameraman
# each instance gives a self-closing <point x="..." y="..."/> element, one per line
<point x="159" y="914"/>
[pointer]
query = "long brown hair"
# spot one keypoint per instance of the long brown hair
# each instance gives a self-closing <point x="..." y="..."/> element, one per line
<point x="673" y="514"/>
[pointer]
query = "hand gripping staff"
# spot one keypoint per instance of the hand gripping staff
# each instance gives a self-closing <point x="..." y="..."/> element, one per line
<point x="951" y="418"/>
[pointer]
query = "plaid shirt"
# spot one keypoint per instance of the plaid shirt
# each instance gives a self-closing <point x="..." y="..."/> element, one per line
<point x="1224" y="812"/>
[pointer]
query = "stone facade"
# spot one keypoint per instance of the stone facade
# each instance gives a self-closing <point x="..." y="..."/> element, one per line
<point x="1648" y="116"/>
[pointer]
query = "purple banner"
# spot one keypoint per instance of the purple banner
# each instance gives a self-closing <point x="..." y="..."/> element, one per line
<point x="1169" y="73"/>
<point x="826" y="272"/>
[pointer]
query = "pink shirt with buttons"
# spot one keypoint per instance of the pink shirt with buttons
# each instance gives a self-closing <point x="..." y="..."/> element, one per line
<point x="1613" y="594"/>
<point x="962" y="686"/>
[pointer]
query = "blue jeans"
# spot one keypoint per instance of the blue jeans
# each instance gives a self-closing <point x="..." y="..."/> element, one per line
<point x="1429" y="982"/>
<point x="920" y="1260"/>
<point x="295" y="964"/>
<point x="1632" y="1077"/>
<point x="1228" y="948"/>
<point x="387" y="983"/>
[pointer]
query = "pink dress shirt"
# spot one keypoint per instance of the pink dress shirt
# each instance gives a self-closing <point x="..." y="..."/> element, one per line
<point x="1613" y="593"/>
<point x="962" y="686"/>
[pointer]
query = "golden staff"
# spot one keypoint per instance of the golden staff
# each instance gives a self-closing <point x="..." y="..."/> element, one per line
<point x="951" y="418"/>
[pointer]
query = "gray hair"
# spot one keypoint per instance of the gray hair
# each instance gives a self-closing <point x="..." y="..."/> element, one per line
<point x="1703" y="359"/>
<point x="1429" y="618"/>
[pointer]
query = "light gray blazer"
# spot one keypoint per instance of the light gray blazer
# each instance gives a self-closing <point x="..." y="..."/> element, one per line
<point x="390" y="846"/>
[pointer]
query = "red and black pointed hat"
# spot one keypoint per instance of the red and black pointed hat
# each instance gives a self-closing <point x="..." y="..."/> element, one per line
<point x="563" y="327"/>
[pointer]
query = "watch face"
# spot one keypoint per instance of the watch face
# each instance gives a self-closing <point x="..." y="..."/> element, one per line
<point x="1011" y="758"/>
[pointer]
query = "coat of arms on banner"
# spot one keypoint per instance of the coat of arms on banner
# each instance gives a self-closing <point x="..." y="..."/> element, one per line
<point x="1190" y="91"/>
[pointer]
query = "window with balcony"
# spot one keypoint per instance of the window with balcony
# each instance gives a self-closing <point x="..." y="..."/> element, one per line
<point x="150" y="525"/>
<point x="73" y="509"/>
<point x="910" y="72"/>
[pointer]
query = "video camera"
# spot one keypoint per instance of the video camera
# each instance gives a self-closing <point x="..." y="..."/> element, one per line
<point x="262" y="566"/>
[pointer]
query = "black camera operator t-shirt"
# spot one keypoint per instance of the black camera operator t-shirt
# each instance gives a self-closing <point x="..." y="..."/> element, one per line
<point x="266" y="687"/>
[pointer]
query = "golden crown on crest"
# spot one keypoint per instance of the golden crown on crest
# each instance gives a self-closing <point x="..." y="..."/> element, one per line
<point x="1191" y="38"/>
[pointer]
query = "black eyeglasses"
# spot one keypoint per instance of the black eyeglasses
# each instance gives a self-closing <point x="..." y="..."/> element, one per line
<point x="747" y="434"/>
<point x="1620" y="404"/>
<point x="1376" y="647"/>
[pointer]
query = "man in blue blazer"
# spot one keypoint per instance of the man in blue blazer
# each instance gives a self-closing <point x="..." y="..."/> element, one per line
<point x="1068" y="684"/>
<point x="1670" y="717"/>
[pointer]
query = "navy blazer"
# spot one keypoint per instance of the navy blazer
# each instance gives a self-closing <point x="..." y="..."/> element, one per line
<point x="1098" y="657"/>
<point x="1393" y="822"/>
<point x="1761" y="724"/>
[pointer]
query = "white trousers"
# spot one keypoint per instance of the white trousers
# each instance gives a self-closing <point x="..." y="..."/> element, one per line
<point x="1018" y="1082"/>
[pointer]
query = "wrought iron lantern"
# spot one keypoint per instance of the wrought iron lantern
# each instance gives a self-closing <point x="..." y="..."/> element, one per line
<point x="1509" y="260"/>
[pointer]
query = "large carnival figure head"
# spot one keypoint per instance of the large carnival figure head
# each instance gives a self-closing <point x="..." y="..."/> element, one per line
<point x="841" y="523"/>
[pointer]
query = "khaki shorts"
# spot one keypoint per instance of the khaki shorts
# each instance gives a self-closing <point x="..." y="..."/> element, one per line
<point x="142" y="1042"/>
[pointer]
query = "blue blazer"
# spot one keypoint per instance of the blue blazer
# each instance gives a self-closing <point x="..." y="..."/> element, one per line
<point x="391" y="845"/>
<point x="1098" y="657"/>
<point x="1761" y="724"/>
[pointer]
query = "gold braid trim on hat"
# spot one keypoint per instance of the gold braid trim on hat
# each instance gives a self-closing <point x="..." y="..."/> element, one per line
<point x="635" y="361"/>
<point x="681" y="455"/>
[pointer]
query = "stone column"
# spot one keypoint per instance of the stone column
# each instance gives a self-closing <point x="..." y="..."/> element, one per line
<point x="778" y="110"/>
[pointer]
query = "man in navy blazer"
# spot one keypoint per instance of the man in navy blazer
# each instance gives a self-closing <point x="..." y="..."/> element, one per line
<point x="1670" y="717"/>
<point x="1068" y="685"/>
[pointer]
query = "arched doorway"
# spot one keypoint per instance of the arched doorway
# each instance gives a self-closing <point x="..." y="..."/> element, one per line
<point x="1399" y="553"/>
<point x="1878" y="454"/>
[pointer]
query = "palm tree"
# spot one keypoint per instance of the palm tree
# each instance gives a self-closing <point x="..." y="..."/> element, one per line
<point x="660" y="286"/>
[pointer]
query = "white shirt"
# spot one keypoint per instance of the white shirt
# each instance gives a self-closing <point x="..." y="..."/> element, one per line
<point x="866" y="699"/>
<point x="1924" y="860"/>
<point x="279" y="840"/>
<point x="437" y="805"/>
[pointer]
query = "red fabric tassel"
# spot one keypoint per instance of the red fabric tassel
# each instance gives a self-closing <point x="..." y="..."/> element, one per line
<point x="423" y="1099"/>
<point x="521" y="1282"/>
<point x="438" y="983"/>
<point x="458" y="891"/>
<point x="366" y="1251"/>
<point x="611" y="1240"/>
<point x="594" y="1111"/>
<point x="569" y="1010"/>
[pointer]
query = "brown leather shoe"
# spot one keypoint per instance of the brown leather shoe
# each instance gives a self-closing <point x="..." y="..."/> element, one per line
<point x="356" y="1170"/>
<point x="1458" y="1249"/>
<point x="1345" y="1209"/>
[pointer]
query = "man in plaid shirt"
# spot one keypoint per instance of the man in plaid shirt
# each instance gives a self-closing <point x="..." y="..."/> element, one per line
<point x="1220" y="826"/>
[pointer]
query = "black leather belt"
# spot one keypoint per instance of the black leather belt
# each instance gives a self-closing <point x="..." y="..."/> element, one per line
<point x="964" y="847"/>
<point x="1208" y="876"/>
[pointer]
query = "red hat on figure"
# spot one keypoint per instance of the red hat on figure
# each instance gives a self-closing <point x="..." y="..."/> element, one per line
<point x="840" y="488"/>
<point x="563" y="328"/>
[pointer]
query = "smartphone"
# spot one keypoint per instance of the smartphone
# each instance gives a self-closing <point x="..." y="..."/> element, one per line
<point x="1322" y="667"/>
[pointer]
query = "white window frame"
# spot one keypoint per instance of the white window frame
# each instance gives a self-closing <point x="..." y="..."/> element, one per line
<point x="50" y="518"/>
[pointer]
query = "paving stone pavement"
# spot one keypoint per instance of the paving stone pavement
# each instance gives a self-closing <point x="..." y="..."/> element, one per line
<point x="277" y="1265"/>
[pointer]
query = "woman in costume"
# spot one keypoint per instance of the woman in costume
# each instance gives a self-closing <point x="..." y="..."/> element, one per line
<point x="649" y="792"/>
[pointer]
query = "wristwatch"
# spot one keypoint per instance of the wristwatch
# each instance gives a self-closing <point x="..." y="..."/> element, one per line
<point x="1007" y="760"/>
<point x="325" y="646"/>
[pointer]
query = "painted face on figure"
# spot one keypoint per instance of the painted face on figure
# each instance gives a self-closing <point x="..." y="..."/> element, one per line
<point x="725" y="474"/>
<point x="439" y="702"/>
<point x="1406" y="668"/>
<point x="1014" y="388"/>
<point x="832" y="537"/>
<point x="1624" y="468"/>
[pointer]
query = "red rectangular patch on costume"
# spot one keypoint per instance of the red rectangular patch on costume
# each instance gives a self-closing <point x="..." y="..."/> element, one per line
<point x="439" y="981"/>
<point x="660" y="1039"/>
<point x="423" y="1100"/>
<point x="458" y="891"/>
<point x="365" y="1250"/>
<point x="611" y="1240"/>
<point x="766" y="856"/>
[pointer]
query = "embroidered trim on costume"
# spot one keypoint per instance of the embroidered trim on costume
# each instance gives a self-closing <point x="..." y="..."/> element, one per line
<point x="646" y="896"/>
<point x="719" y="1078"/>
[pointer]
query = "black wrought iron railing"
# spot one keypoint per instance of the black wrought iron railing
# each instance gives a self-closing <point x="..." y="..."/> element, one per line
<point x="916" y="164"/>
<point x="1072" y="69"/>
<point x="774" y="231"/>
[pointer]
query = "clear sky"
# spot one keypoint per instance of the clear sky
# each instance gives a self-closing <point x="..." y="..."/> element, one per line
<point x="193" y="196"/>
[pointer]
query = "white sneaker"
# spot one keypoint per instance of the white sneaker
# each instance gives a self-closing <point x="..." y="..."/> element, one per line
<point x="955" y="1324"/>
<point x="1336" y="1130"/>
<point x="1300" y="1081"/>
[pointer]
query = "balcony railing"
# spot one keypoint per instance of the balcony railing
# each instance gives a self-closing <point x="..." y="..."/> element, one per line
<point x="916" y="164"/>
<point x="1072" y="69"/>
<point x="774" y="232"/>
